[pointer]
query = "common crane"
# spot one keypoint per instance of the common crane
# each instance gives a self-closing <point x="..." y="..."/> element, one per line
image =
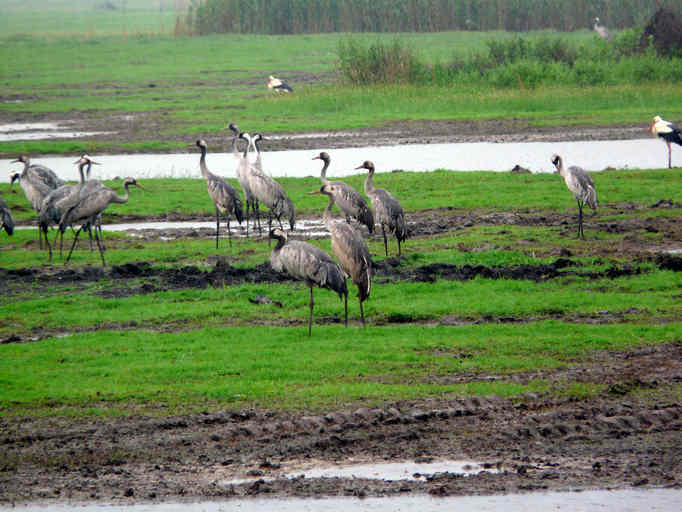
<point x="582" y="186"/>
<point x="277" y="85"/>
<point x="350" y="249"/>
<point x="243" y="169"/>
<point x="310" y="264"/>
<point x="668" y="132"/>
<point x="6" y="218"/>
<point x="92" y="205"/>
<point x="59" y="201"/>
<point x="350" y="201"/>
<point x="269" y="192"/>
<point x="224" y="196"/>
<point x="39" y="173"/>
<point x="387" y="209"/>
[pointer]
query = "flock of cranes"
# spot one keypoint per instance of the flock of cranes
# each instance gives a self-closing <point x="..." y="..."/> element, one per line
<point x="70" y="206"/>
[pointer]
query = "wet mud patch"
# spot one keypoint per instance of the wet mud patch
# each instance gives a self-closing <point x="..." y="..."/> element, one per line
<point x="616" y="439"/>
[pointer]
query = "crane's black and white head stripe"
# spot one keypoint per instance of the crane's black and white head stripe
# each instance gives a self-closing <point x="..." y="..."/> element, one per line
<point x="202" y="144"/>
<point x="556" y="160"/>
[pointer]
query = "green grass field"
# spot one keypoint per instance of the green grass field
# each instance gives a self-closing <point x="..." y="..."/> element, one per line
<point x="167" y="351"/>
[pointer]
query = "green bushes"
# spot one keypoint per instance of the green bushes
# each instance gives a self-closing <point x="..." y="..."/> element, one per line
<point x="516" y="63"/>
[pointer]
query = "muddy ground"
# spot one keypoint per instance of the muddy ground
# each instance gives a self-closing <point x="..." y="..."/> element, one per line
<point x="628" y="436"/>
<point x="120" y="128"/>
<point x="616" y="440"/>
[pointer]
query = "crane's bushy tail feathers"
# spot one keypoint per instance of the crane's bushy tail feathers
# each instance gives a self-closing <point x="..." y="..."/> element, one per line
<point x="333" y="279"/>
<point x="238" y="211"/>
<point x="367" y="218"/>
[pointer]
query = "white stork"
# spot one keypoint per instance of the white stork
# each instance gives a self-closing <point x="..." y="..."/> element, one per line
<point x="277" y="85"/>
<point x="668" y="132"/>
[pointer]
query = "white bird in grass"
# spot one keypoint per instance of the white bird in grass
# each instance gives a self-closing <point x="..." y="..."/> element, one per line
<point x="388" y="211"/>
<point x="668" y="132"/>
<point x="350" y="201"/>
<point x="601" y="30"/>
<point x="582" y="186"/>
<point x="310" y="264"/>
<point x="350" y="249"/>
<point x="277" y="85"/>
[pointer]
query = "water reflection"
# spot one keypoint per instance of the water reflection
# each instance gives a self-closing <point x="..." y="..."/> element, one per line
<point x="592" y="155"/>
<point x="660" y="500"/>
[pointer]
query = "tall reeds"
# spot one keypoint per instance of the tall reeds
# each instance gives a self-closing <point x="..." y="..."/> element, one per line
<point x="317" y="16"/>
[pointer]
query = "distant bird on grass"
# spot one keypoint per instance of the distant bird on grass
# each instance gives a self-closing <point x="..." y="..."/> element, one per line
<point x="224" y="196"/>
<point x="277" y="85"/>
<point x="350" y="249"/>
<point x="310" y="264"/>
<point x="668" y="132"/>
<point x="601" y="30"/>
<point x="387" y="209"/>
<point x="350" y="201"/>
<point x="6" y="218"/>
<point x="582" y="186"/>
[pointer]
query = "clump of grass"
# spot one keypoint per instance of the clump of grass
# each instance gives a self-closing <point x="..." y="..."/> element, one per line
<point x="520" y="62"/>
<point x="379" y="62"/>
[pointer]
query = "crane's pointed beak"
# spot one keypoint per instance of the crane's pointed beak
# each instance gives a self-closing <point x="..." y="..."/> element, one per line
<point x="143" y="188"/>
<point x="314" y="192"/>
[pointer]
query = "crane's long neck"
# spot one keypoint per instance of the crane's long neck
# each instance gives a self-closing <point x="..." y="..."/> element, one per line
<point x="561" y="169"/>
<point x="323" y="173"/>
<point x="280" y="242"/>
<point x="202" y="164"/>
<point x="246" y="137"/>
<point x="121" y="199"/>
<point x="327" y="215"/>
<point x="369" y="186"/>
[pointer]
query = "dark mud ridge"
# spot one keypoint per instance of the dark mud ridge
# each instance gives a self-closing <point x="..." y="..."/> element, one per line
<point x="614" y="440"/>
<point x="224" y="274"/>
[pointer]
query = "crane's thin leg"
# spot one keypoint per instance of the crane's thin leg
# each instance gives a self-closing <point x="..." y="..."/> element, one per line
<point x="399" y="253"/>
<point x="310" y="318"/>
<point x="75" y="239"/>
<point x="47" y="241"/>
<point x="98" y="227"/>
<point x="362" y="314"/>
<point x="247" y="218"/>
<point x="269" y="224"/>
<point x="99" y="246"/>
<point x="89" y="227"/>
<point x="383" y="231"/>
<point x="217" y="226"/>
<point x="581" y="235"/>
<point x="345" y="303"/>
<point x="229" y="233"/>
<point x="670" y="155"/>
<point x="260" y="228"/>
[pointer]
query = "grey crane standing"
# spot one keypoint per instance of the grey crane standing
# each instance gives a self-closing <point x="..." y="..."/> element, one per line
<point x="350" y="249"/>
<point x="90" y="206"/>
<point x="310" y="264"/>
<point x="6" y="219"/>
<point x="267" y="191"/>
<point x="60" y="200"/>
<point x="582" y="186"/>
<point x="224" y="196"/>
<point x="387" y="209"/>
<point x="668" y="132"/>
<point x="243" y="169"/>
<point x="39" y="173"/>
<point x="349" y="200"/>
<point x="36" y="181"/>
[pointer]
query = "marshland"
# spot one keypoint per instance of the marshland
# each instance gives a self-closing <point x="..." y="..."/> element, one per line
<point x="498" y="336"/>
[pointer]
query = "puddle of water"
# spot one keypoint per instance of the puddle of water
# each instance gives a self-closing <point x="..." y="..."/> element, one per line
<point x="388" y="471"/>
<point x="39" y="131"/>
<point x="648" y="500"/>
<point x="592" y="155"/>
